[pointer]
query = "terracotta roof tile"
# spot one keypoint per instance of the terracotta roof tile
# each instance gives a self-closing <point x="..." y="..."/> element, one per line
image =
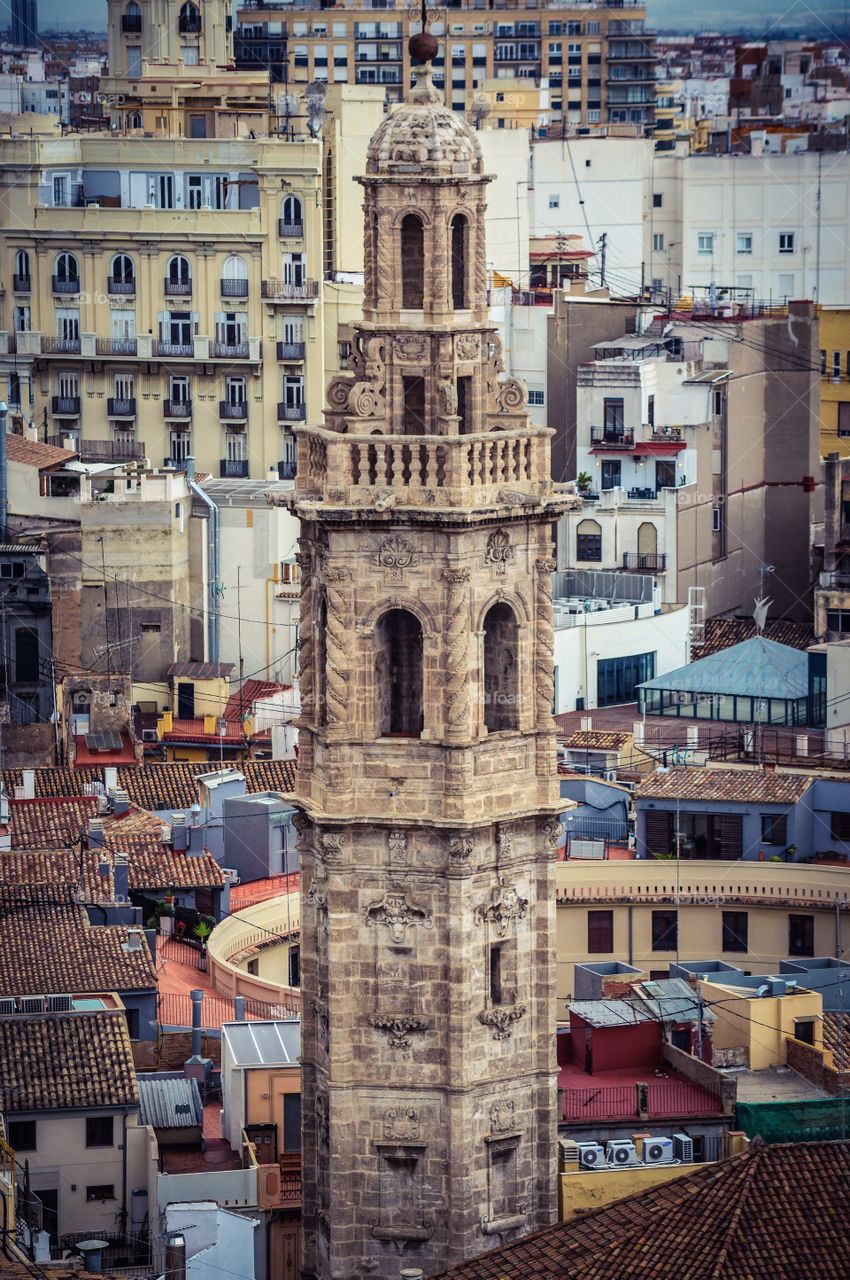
<point x="743" y="786"/>
<point x="239" y="704"/>
<point x="48" y="946"/>
<point x="722" y="633"/>
<point x="598" y="739"/>
<point x="59" y="1061"/>
<point x="49" y="823"/>
<point x="151" y="868"/>
<point x="32" y="453"/>
<point x="775" y="1211"/>
<point x="836" y="1038"/>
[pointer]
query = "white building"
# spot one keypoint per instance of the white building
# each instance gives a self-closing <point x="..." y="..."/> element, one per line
<point x="610" y="634"/>
<point x="523" y="330"/>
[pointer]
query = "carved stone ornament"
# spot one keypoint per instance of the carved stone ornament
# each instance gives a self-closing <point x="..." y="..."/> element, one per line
<point x="401" y="1124"/>
<point x="338" y="392"/>
<point x="323" y="1025"/>
<point x="395" y="553"/>
<point x="552" y="831"/>
<point x="331" y="843"/>
<point x="365" y="402"/>
<point x="323" y="1129"/>
<point x="397" y="846"/>
<point x="502" y="1019"/>
<point x="410" y="347"/>
<point x="446" y="399"/>
<point x="468" y="346"/>
<point x="506" y="908"/>
<point x="502" y="1118"/>
<point x="461" y="846"/>
<point x="300" y="822"/>
<point x="399" y="1027"/>
<point x="512" y="395"/>
<point x="499" y="550"/>
<point x="397" y="914"/>
<point x="504" y="841"/>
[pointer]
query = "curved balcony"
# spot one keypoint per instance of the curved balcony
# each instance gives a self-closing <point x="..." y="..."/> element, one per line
<point x="60" y="285"/>
<point x="248" y="936"/>
<point x="66" y="406"/>
<point x="22" y="284"/>
<point x="510" y="467"/>
<point x="177" y="288"/>
<point x="234" y="288"/>
<point x="291" y="412"/>
<point x="120" y="408"/>
<point x="286" y="291"/>
<point x="125" y="288"/>
<point x="291" y="350"/>
<point x="233" y="411"/>
<point x="289" y="230"/>
<point x="177" y="408"/>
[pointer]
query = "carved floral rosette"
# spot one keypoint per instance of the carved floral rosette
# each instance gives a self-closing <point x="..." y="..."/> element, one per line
<point x="399" y="1027"/>
<point x="396" y="914"/>
<point x="501" y="1019"/>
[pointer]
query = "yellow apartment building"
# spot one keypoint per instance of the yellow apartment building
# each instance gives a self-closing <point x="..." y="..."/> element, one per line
<point x="834" y="380"/>
<point x="597" y="61"/>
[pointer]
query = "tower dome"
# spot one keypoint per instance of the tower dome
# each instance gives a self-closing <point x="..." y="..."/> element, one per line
<point x="423" y="136"/>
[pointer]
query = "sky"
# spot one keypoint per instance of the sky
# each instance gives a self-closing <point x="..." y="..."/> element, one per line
<point x="821" y="17"/>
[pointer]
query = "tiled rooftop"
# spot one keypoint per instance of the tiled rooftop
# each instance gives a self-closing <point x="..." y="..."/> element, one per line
<point x="597" y="739"/>
<point x="836" y="1038"/>
<point x="48" y="946"/>
<point x="742" y="786"/>
<point x="775" y="1213"/>
<point x="239" y="704"/>
<point x="722" y="633"/>
<point x="150" y="868"/>
<point x="153" y="785"/>
<point x="60" y="1060"/>
<point x="32" y="453"/>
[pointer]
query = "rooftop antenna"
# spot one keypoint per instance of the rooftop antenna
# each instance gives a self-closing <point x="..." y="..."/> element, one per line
<point x="762" y="604"/>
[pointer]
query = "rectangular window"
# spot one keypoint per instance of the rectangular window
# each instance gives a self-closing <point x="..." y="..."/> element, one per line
<point x="26" y="655"/>
<point x="292" y="1122"/>
<point x="801" y="935"/>
<point x="600" y="933"/>
<point x="613" y="419"/>
<point x="836" y="366"/>
<point x="705" y="242"/>
<point x="22" y="1135"/>
<point x="664" y="931"/>
<point x="295" y="965"/>
<point x="804" y="1030"/>
<point x="839" y="825"/>
<point x="774" y="828"/>
<point x="844" y="419"/>
<point x="657" y="200"/>
<point x="589" y="546"/>
<point x="496" y="973"/>
<point x="536" y="397"/>
<point x="99" y="1131"/>
<point x="612" y="470"/>
<point x="134" y="60"/>
<point x="735" y="931"/>
<point x="554" y="202"/>
<point x="617" y="678"/>
<point x="744" y="242"/>
<point x="658" y="241"/>
<point x="786" y="242"/>
<point x="104" y="1191"/>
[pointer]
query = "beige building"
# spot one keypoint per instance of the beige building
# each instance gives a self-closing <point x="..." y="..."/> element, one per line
<point x="597" y="62"/>
<point x="426" y="777"/>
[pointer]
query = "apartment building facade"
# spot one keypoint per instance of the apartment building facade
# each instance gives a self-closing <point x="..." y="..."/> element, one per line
<point x="598" y="60"/>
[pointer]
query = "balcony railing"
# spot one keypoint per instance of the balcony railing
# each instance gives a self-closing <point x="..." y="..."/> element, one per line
<point x="287" y="469"/>
<point x="291" y="350"/>
<point x="653" y="1100"/>
<point x="177" y="408"/>
<point x="189" y="26"/>
<point x="115" y="346"/>
<point x="835" y="578"/>
<point x="131" y="23"/>
<point x="119" y="408"/>
<point x="125" y="287"/>
<point x="66" y="406"/>
<point x="231" y="412"/>
<point x="426" y="469"/>
<point x="640" y="563"/>
<point x="177" y="464"/>
<point x="60" y="346"/>
<point x="229" y="350"/>
<point x="612" y="437"/>
<point x="285" y="291"/>
<point x="233" y="469"/>
<point x="291" y="412"/>
<point x="178" y="350"/>
<point x="65" y="286"/>
<point x="112" y="450"/>
<point x="234" y="288"/>
<point x="22" y="284"/>
<point x="177" y="288"/>
<point x="289" y="230"/>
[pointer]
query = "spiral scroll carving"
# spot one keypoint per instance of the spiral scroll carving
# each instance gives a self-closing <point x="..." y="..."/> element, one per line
<point x="338" y="392"/>
<point x="544" y="644"/>
<point x="512" y="395"/>
<point x="457" y="652"/>
<point x="337" y="644"/>
<point x="305" y="656"/>
<point x="364" y="401"/>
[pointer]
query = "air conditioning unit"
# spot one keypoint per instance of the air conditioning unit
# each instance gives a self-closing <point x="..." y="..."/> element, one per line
<point x="622" y="1152"/>
<point x="149" y="735"/>
<point x="231" y="875"/>
<point x="568" y="1151"/>
<point x="610" y="775"/>
<point x="32" y="1004"/>
<point x="683" y="1148"/>
<point x="658" y="1150"/>
<point x="59" y="1004"/>
<point x="591" y="1155"/>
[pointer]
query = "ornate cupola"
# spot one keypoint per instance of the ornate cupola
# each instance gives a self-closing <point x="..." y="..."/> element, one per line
<point x="427" y="784"/>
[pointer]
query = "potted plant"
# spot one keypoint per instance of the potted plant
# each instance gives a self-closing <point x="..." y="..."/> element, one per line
<point x="203" y="929"/>
<point x="584" y="481"/>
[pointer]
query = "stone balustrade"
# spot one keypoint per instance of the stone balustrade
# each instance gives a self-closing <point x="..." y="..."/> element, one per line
<point x="510" y="466"/>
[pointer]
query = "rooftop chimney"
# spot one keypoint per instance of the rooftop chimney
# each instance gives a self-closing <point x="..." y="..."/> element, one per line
<point x="120" y="801"/>
<point x="95" y="833"/>
<point x="28" y="781"/>
<point x="134" y="940"/>
<point x="110" y="777"/>
<point x="179" y="832"/>
<point x="121" y="877"/>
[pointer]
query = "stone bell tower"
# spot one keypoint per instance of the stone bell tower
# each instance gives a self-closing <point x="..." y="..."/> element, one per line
<point x="427" y="781"/>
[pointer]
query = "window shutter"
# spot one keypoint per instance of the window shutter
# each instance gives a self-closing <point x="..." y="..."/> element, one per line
<point x="730" y="832"/>
<point x="657" y="829"/>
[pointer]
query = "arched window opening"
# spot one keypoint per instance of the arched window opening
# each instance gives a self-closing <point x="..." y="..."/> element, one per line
<point x="292" y="216"/>
<point x="123" y="271"/>
<point x="398" y="672"/>
<point x="412" y="262"/>
<point x="131" y="20"/>
<point x="22" y="264"/>
<point x="322" y="665"/>
<point x="67" y="269"/>
<point x="189" y="21"/>
<point x="234" y="268"/>
<point x="589" y="540"/>
<point x="460" y="241"/>
<point x="501" y="693"/>
<point x="134" y="120"/>
<point x="647" y="539"/>
<point x="179" y="271"/>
